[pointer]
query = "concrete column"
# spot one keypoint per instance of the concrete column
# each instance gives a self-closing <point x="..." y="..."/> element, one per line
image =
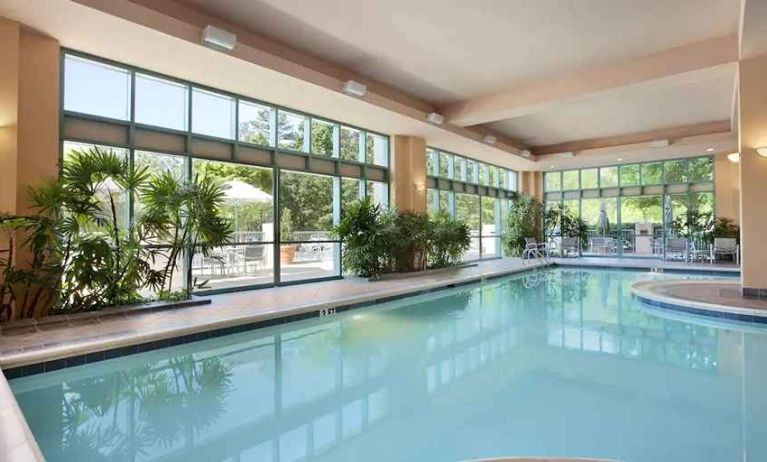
<point x="29" y="113"/>
<point x="531" y="183"/>
<point x="727" y="188"/>
<point x="408" y="173"/>
<point x="752" y="120"/>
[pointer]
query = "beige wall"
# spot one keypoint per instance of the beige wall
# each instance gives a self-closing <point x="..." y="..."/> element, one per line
<point x="752" y="118"/>
<point x="531" y="183"/>
<point x="29" y="113"/>
<point x="408" y="173"/>
<point x="727" y="188"/>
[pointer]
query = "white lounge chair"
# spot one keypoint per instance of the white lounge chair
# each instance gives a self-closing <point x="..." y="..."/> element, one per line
<point x="725" y="246"/>
<point x="676" y="248"/>
<point x="533" y="249"/>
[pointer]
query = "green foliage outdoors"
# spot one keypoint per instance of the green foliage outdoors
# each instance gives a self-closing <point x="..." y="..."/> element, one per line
<point x="724" y="227"/>
<point x="377" y="240"/>
<point x="83" y="256"/>
<point x="563" y="222"/>
<point x="524" y="221"/>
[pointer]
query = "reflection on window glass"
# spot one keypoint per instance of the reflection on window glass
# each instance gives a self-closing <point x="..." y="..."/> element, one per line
<point x="652" y="173"/>
<point x="484" y="178"/>
<point x="459" y="168"/>
<point x="675" y="171"/>
<point x="444" y="165"/>
<point x="553" y="181"/>
<point x="608" y="177"/>
<point x="379" y="192"/>
<point x="322" y="137"/>
<point x="503" y="176"/>
<point x="161" y="102"/>
<point x="513" y="181"/>
<point x="432" y="160"/>
<point x="255" y="125"/>
<point x="493" y="175"/>
<point x="350" y="144"/>
<point x="377" y="149"/>
<point x="95" y="88"/>
<point x="212" y="114"/>
<point x="629" y="175"/>
<point x="589" y="178"/>
<point x="432" y="201"/>
<point x="702" y="169"/>
<point x="570" y="180"/>
<point x="291" y="131"/>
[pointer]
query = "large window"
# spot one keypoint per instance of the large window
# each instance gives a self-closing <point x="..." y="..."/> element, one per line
<point x="282" y="204"/>
<point x="632" y="209"/>
<point x="441" y="164"/>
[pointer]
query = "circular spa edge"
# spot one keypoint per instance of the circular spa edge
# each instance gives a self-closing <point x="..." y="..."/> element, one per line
<point x="715" y="298"/>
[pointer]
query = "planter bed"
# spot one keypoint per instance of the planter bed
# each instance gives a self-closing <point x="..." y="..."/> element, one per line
<point x="24" y="326"/>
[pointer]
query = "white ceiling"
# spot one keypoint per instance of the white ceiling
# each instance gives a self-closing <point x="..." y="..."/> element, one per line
<point x="695" y="97"/>
<point x="443" y="51"/>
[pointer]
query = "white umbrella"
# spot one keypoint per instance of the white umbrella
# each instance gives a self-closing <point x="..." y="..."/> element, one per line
<point x="603" y="225"/>
<point x="237" y="191"/>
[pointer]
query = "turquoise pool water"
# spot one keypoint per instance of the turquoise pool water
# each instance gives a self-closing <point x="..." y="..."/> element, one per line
<point x="559" y="362"/>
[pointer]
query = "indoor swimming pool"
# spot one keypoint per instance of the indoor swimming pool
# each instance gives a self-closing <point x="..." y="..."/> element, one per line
<point x="559" y="362"/>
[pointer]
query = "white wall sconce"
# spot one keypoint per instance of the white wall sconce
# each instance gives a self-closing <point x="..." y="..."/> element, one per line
<point x="734" y="157"/>
<point x="219" y="39"/>
<point x="435" y="118"/>
<point x="489" y="139"/>
<point x="354" y="88"/>
<point x="762" y="150"/>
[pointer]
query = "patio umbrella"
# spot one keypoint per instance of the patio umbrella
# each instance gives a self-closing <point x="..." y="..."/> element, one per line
<point x="668" y="214"/>
<point x="603" y="224"/>
<point x="237" y="191"/>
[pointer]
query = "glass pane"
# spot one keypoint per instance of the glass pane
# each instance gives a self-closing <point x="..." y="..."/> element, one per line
<point x="255" y="125"/>
<point x="471" y="171"/>
<point x="553" y="181"/>
<point x="570" y="180"/>
<point x="94" y="88"/>
<point x="432" y="159"/>
<point x="432" y="201"/>
<point x="377" y="150"/>
<point x="503" y="176"/>
<point x="652" y="173"/>
<point x="601" y="217"/>
<point x="484" y="178"/>
<point x="675" y="171"/>
<point x="234" y="266"/>
<point x="212" y="114"/>
<point x="446" y="202"/>
<point x="608" y="177"/>
<point x="248" y="194"/>
<point x="322" y="138"/>
<point x="589" y="178"/>
<point x="379" y="192"/>
<point x="467" y="209"/>
<point x="513" y="181"/>
<point x="306" y="215"/>
<point x="642" y="225"/>
<point x="629" y="175"/>
<point x="490" y="247"/>
<point x="161" y="102"/>
<point x="291" y="131"/>
<point x="107" y="188"/>
<point x="157" y="163"/>
<point x="350" y="144"/>
<point x="493" y="175"/>
<point x="444" y="165"/>
<point x="459" y="168"/>
<point x="350" y="191"/>
<point x="702" y="169"/>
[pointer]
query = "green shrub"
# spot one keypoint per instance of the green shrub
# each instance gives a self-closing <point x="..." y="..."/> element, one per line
<point x="451" y="239"/>
<point x="525" y="214"/>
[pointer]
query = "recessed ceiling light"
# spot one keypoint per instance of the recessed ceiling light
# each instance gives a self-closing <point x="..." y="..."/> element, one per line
<point x="551" y="166"/>
<point x="620" y="159"/>
<point x="354" y="88"/>
<point x="710" y="150"/>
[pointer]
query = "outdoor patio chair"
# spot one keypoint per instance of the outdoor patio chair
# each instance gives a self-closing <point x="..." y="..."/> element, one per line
<point x="533" y="249"/>
<point x="255" y="254"/>
<point x="602" y="245"/>
<point x="570" y="246"/>
<point x="676" y="248"/>
<point x="725" y="246"/>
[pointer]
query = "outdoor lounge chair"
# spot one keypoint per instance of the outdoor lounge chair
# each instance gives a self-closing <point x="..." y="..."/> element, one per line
<point x="570" y="246"/>
<point x="534" y="249"/>
<point x="676" y="248"/>
<point x="725" y="246"/>
<point x="602" y="245"/>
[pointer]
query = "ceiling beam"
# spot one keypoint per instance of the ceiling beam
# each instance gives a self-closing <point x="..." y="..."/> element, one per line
<point x="670" y="134"/>
<point x="534" y="94"/>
